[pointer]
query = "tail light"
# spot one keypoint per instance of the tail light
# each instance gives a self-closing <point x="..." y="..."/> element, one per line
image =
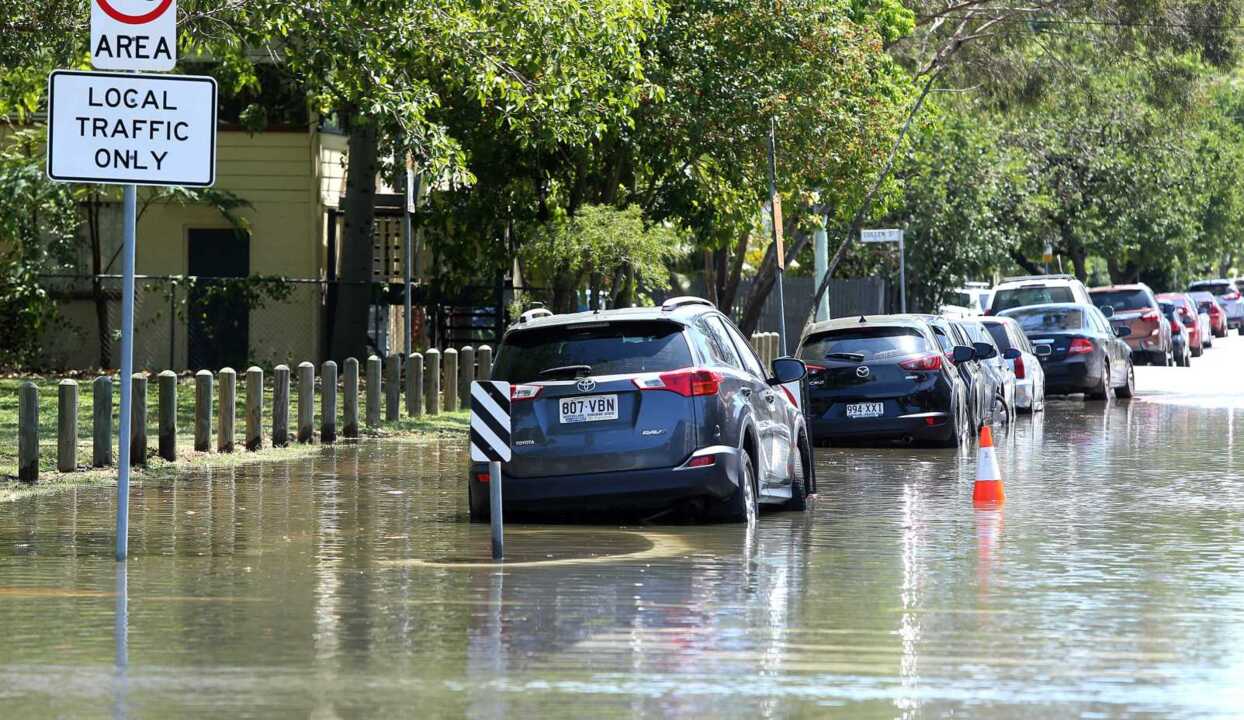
<point x="524" y="392"/>
<point x="691" y="382"/>
<point x="1150" y="315"/>
<point x="987" y="311"/>
<point x="930" y="361"/>
<point x="702" y="461"/>
<point x="1079" y="346"/>
<point x="1232" y="296"/>
<point x="481" y="477"/>
<point x="1174" y="326"/>
<point x="1019" y="368"/>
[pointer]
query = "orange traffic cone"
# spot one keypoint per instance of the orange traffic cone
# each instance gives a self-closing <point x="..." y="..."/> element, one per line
<point x="988" y="489"/>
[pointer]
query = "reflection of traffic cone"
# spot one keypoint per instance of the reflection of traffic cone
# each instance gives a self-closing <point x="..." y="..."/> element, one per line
<point x="988" y="535"/>
<point x="988" y="488"/>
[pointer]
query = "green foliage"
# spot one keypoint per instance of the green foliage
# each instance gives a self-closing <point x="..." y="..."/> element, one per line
<point x="615" y="244"/>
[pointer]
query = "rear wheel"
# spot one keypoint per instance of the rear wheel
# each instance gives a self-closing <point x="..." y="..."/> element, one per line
<point x="799" y="481"/>
<point x="1104" y="390"/>
<point x="742" y="506"/>
<point x="1128" y="389"/>
<point x="1197" y="351"/>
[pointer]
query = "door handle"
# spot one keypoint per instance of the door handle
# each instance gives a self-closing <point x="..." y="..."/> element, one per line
<point x="747" y="392"/>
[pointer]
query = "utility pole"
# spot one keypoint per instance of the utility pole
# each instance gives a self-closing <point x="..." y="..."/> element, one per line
<point x="775" y="208"/>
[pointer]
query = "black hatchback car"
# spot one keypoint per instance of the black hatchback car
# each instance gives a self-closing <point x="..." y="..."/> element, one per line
<point x="647" y="409"/>
<point x="884" y="378"/>
<point x="1080" y="351"/>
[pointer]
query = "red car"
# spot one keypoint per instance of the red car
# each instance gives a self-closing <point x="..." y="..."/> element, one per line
<point x="1189" y="316"/>
<point x="1217" y="315"/>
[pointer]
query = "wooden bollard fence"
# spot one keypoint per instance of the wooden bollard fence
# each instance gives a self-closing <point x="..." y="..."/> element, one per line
<point x="350" y="399"/>
<point x="166" y="414"/>
<point x="203" y="411"/>
<point x="483" y="361"/>
<point x="101" y="411"/>
<point x="414" y="385"/>
<point x="306" y="402"/>
<point x="28" y="432"/>
<point x="466" y="375"/>
<point x="67" y="426"/>
<point x="450" y="358"/>
<point x="226" y="410"/>
<point x="393" y="387"/>
<point x="328" y="402"/>
<point x="373" y="391"/>
<point x="138" y="420"/>
<point x="280" y="406"/>
<point x="432" y="381"/>
<point x="254" y="408"/>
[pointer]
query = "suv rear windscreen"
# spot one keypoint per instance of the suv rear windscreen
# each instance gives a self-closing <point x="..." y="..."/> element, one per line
<point x="1049" y="320"/>
<point x="1221" y="288"/>
<point x="872" y="343"/>
<point x="1121" y="299"/>
<point x="608" y="348"/>
<point x="1008" y="298"/>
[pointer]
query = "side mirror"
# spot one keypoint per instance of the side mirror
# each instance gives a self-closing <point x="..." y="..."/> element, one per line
<point x="1122" y="331"/>
<point x="787" y="370"/>
<point x="985" y="351"/>
<point x="962" y="354"/>
<point x="1107" y="310"/>
<point x="1012" y="354"/>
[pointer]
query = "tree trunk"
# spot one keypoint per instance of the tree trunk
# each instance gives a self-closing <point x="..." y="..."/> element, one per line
<point x="97" y="285"/>
<point x="354" y="294"/>
<point x="766" y="278"/>
<point x="731" y="289"/>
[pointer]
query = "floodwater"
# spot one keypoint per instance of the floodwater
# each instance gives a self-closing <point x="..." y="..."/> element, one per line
<point x="351" y="585"/>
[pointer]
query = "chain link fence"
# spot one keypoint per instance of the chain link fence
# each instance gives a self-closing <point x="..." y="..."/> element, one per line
<point x="185" y="323"/>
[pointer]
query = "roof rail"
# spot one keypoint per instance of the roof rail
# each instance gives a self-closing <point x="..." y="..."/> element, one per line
<point x="534" y="314"/>
<point x="676" y="302"/>
<point x="1019" y="278"/>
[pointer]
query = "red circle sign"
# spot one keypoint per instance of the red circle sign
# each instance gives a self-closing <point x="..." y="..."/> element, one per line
<point x="146" y="17"/>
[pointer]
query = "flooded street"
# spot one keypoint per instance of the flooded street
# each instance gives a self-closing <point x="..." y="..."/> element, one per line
<point x="1111" y="584"/>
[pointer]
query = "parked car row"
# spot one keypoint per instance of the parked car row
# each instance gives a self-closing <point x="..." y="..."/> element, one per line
<point x="916" y="379"/>
<point x="669" y="407"/>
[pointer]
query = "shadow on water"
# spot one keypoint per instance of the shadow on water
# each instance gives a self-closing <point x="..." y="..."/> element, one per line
<point x="350" y="583"/>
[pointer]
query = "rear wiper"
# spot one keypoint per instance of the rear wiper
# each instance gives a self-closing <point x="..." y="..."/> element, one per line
<point x="851" y="357"/>
<point x="572" y="370"/>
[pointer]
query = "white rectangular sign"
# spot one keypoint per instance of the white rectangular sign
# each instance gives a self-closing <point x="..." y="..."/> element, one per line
<point x="131" y="129"/>
<point x="881" y="236"/>
<point x="134" y="34"/>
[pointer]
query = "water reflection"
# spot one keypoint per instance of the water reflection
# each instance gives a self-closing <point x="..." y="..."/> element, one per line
<point x="1112" y="583"/>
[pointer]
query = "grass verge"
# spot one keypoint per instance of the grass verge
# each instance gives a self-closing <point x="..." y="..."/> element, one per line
<point x="452" y="423"/>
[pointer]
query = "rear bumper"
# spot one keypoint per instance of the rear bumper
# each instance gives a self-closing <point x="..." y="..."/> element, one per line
<point x="1064" y="377"/>
<point x="650" y="489"/>
<point x="1023" y="393"/>
<point x="891" y="429"/>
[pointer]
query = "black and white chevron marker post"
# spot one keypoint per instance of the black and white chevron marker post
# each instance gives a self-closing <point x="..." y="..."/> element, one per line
<point x="490" y="443"/>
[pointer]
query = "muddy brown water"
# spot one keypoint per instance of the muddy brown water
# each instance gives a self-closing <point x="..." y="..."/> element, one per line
<point x="350" y="585"/>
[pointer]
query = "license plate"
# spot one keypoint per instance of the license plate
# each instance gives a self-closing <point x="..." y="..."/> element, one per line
<point x="865" y="410"/>
<point x="588" y="409"/>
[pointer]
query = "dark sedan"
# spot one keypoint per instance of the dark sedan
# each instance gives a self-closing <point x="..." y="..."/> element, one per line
<point x="1079" y="350"/>
<point x="883" y="378"/>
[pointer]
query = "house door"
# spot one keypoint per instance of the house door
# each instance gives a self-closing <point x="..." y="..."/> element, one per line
<point x="218" y="312"/>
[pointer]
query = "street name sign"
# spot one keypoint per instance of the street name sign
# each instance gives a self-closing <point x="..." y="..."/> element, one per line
<point x="134" y="34"/>
<point x="881" y="236"/>
<point x="131" y="129"/>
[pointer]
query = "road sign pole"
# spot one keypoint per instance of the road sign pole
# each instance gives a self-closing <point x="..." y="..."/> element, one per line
<point x="902" y="273"/>
<point x="407" y="262"/>
<point x="128" y="221"/>
<point x="494" y="510"/>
